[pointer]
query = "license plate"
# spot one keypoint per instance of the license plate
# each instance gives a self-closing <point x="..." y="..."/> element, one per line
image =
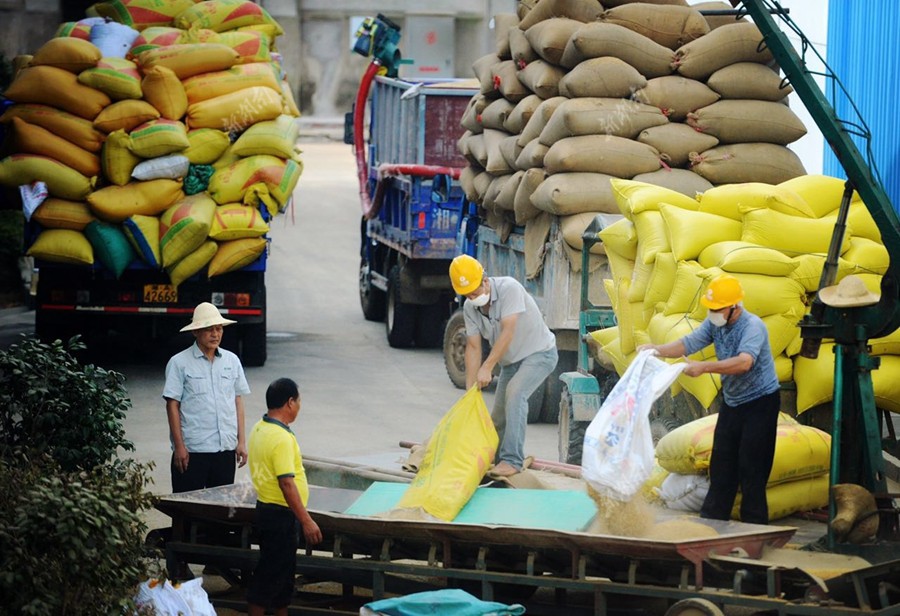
<point x="160" y="294"/>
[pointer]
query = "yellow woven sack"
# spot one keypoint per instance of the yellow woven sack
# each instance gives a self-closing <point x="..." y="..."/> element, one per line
<point x="784" y="368"/>
<point x="117" y="159"/>
<point x="66" y="125"/>
<point x="651" y="234"/>
<point x="223" y="15"/>
<point x="765" y="295"/>
<point x="276" y="138"/>
<point x="116" y="203"/>
<point x="634" y="197"/>
<point x="56" y="213"/>
<point x="143" y="233"/>
<point x="207" y="145"/>
<point x="125" y="115"/>
<point x="256" y="179"/>
<point x="236" y="111"/>
<point x="791" y="235"/>
<point x="62" y="181"/>
<point x="235" y="254"/>
<point x="157" y="36"/>
<point x="234" y="221"/>
<point x="869" y="256"/>
<point x="189" y="59"/>
<point x="48" y="85"/>
<point x="739" y="257"/>
<point x="118" y="78"/>
<point x="250" y="45"/>
<point x="640" y="279"/>
<point x="733" y="200"/>
<point x="661" y="281"/>
<point x="664" y="329"/>
<point x="290" y="103"/>
<point x="158" y="138"/>
<point x="33" y="139"/>
<point x="814" y="378"/>
<point x="184" y="227"/>
<point x="459" y="453"/>
<point x="860" y="220"/>
<point x="69" y="53"/>
<point x="192" y="263"/>
<point x="885" y="345"/>
<point x="809" y="270"/>
<point x="886" y="383"/>
<point x="822" y="193"/>
<point x="141" y="14"/>
<point x="621" y="238"/>
<point x="686" y="289"/>
<point x="239" y="77"/>
<point x="164" y="91"/>
<point x="790" y="497"/>
<point x="690" y="232"/>
<point x="62" y="246"/>
<point x="782" y="329"/>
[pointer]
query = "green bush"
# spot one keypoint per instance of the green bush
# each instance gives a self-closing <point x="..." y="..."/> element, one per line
<point x="71" y="543"/>
<point x="50" y="404"/>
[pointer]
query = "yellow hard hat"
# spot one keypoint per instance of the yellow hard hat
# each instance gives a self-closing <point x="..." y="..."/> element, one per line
<point x="724" y="290"/>
<point x="465" y="274"/>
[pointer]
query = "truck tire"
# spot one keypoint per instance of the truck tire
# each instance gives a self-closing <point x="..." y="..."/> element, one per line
<point x="430" y="322"/>
<point x="371" y="298"/>
<point x="536" y="404"/>
<point x="571" y="432"/>
<point x="694" y="607"/>
<point x="253" y="344"/>
<point x="455" y="349"/>
<point x="400" y="318"/>
<point x="568" y="362"/>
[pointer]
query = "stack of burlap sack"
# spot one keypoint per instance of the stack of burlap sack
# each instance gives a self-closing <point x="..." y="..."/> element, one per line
<point x="579" y="93"/>
<point x="798" y="481"/>
<point x="774" y="239"/>
<point x="165" y="132"/>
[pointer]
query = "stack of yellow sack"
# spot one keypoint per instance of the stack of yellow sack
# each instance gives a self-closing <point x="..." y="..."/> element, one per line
<point x="164" y="130"/>
<point x="579" y="92"/>
<point x="798" y="480"/>
<point x="773" y="238"/>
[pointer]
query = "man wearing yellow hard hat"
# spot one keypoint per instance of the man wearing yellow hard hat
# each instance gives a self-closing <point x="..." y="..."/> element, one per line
<point x="744" y="440"/>
<point x="500" y="310"/>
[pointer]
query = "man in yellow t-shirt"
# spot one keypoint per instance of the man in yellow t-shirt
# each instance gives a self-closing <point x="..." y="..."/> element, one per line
<point x="276" y="468"/>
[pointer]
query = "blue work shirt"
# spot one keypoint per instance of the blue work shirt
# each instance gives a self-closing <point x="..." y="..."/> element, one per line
<point x="206" y="391"/>
<point x="746" y="335"/>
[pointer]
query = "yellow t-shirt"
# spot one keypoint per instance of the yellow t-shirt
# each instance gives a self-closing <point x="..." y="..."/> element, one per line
<point x="274" y="453"/>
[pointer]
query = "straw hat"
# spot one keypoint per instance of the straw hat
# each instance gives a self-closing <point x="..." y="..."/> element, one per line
<point x="206" y="315"/>
<point x="851" y="292"/>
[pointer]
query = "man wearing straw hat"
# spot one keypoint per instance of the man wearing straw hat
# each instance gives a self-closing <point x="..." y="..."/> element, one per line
<point x="747" y="423"/>
<point x="203" y="394"/>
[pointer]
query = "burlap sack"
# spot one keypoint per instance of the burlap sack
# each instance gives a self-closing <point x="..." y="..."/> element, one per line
<point x="542" y="78"/>
<point x="481" y="183"/>
<point x="676" y="141"/>
<point x="501" y="23"/>
<point x="505" y="199"/>
<point x="483" y="69"/>
<point x="600" y="116"/>
<point x="462" y="145"/>
<point x="521" y="113"/>
<point x="748" y="162"/>
<point x="670" y="26"/>
<point x="680" y="180"/>
<point x="506" y="81"/>
<point x="572" y="193"/>
<point x="510" y="150"/>
<point x="615" y="156"/>
<point x="548" y="38"/>
<point x="749" y="80"/>
<point x="738" y="42"/>
<point x="477" y="149"/>
<point x="748" y="121"/>
<point x="539" y="119"/>
<point x="580" y="10"/>
<point x="717" y="21"/>
<point x="604" y="77"/>
<point x="523" y="207"/>
<point x="496" y="163"/>
<point x="493" y="191"/>
<point x="572" y="229"/>
<point x="471" y="119"/>
<point x="676" y="95"/>
<point x="595" y="40"/>
<point x="519" y="48"/>
<point x="467" y="181"/>
<point x="532" y="155"/>
<point x="614" y="3"/>
<point x="494" y="115"/>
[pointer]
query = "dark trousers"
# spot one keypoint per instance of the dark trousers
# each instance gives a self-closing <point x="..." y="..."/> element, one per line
<point x="277" y="528"/>
<point x="205" y="470"/>
<point x="742" y="455"/>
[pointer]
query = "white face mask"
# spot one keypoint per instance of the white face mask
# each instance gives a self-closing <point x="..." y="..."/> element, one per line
<point x="481" y="300"/>
<point x="718" y="319"/>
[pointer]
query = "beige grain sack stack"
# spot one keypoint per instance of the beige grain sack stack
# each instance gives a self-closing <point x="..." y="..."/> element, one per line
<point x="581" y="91"/>
<point x="154" y="119"/>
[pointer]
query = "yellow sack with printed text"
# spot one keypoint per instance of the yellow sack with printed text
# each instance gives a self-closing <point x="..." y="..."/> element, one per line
<point x="458" y="454"/>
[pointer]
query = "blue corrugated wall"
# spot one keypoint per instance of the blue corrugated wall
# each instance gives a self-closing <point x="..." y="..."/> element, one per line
<point x="864" y="52"/>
